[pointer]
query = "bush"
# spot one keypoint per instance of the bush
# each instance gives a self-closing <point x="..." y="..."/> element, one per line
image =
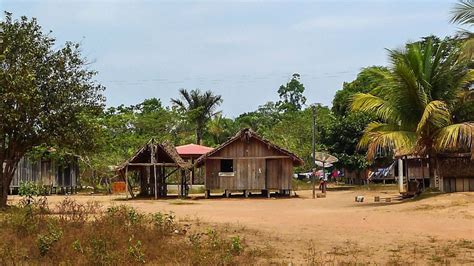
<point x="46" y="241"/>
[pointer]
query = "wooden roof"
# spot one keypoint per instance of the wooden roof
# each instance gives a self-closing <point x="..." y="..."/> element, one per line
<point x="248" y="133"/>
<point x="165" y="153"/>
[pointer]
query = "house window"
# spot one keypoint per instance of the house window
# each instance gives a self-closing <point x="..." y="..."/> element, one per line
<point x="227" y="166"/>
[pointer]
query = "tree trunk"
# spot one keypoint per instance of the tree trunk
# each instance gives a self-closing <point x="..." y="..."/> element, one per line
<point x="198" y="136"/>
<point x="3" y="195"/>
<point x="5" y="180"/>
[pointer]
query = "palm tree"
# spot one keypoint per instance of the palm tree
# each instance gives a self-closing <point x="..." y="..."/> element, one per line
<point x="199" y="108"/>
<point x="415" y="103"/>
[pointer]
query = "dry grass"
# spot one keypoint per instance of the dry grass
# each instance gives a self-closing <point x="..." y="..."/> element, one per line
<point x="72" y="233"/>
<point x="351" y="253"/>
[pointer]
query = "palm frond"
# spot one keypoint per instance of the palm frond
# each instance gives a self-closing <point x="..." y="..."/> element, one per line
<point x="455" y="137"/>
<point x="380" y="138"/>
<point x="369" y="103"/>
<point x="436" y="113"/>
<point x="468" y="48"/>
<point x="463" y="13"/>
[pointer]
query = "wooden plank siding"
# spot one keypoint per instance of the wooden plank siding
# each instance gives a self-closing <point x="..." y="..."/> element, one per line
<point x="256" y="167"/>
<point x="458" y="184"/>
<point x="45" y="172"/>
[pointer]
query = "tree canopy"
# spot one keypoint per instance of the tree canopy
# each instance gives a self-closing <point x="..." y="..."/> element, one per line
<point x="49" y="96"/>
<point x="416" y="100"/>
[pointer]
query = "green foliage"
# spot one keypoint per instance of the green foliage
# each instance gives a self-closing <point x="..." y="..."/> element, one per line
<point x="197" y="108"/>
<point x="236" y="245"/>
<point x="30" y="189"/>
<point x="365" y="82"/>
<point x="135" y="250"/>
<point x="415" y="102"/>
<point x="342" y="139"/>
<point x="164" y="223"/>
<point x="291" y="95"/>
<point x="47" y="240"/>
<point x="49" y="96"/>
<point x="219" y="129"/>
<point x="463" y="13"/>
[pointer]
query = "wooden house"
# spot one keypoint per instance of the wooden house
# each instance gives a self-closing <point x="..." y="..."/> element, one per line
<point x="58" y="177"/>
<point x="151" y="163"/>
<point x="456" y="172"/>
<point x="247" y="162"/>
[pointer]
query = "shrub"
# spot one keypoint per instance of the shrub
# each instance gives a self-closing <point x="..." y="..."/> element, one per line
<point x="81" y="234"/>
<point x="46" y="241"/>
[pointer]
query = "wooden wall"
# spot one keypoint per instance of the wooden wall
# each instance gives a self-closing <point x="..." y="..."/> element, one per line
<point x="256" y="167"/>
<point x="45" y="172"/>
<point x="460" y="184"/>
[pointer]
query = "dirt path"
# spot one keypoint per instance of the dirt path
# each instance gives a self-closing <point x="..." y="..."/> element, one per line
<point x="334" y="225"/>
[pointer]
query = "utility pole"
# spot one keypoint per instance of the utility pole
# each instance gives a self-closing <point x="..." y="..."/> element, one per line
<point x="314" y="151"/>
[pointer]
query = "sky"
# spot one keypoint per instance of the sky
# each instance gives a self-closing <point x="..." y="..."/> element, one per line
<point x="242" y="50"/>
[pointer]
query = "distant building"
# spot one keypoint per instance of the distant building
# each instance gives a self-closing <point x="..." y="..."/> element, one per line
<point x="58" y="177"/>
<point x="454" y="172"/>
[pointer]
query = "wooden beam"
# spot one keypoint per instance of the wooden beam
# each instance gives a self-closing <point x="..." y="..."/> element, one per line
<point x="248" y="158"/>
<point x="126" y="183"/>
<point x="153" y="164"/>
<point x="152" y="160"/>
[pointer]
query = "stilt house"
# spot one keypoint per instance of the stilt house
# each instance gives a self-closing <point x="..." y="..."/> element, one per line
<point x="247" y="162"/>
<point x="151" y="162"/>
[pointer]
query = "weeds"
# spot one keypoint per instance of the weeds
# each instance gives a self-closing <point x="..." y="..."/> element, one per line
<point x="84" y="234"/>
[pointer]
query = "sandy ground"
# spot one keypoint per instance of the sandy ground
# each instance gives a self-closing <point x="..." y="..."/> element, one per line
<point x="334" y="229"/>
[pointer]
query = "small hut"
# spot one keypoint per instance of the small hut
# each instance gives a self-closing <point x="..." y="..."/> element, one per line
<point x="247" y="162"/>
<point x="151" y="162"/>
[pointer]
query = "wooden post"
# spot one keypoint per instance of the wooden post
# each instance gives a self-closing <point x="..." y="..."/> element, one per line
<point x="165" y="188"/>
<point x="423" y="174"/>
<point x="183" y="183"/>
<point x="154" y="170"/>
<point x="400" y="175"/>
<point x="126" y="182"/>
<point x="192" y="173"/>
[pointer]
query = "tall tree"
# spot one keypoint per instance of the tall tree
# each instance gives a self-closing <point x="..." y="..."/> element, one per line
<point x="199" y="107"/>
<point x="47" y="96"/>
<point x="415" y="102"/>
<point x="291" y="94"/>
